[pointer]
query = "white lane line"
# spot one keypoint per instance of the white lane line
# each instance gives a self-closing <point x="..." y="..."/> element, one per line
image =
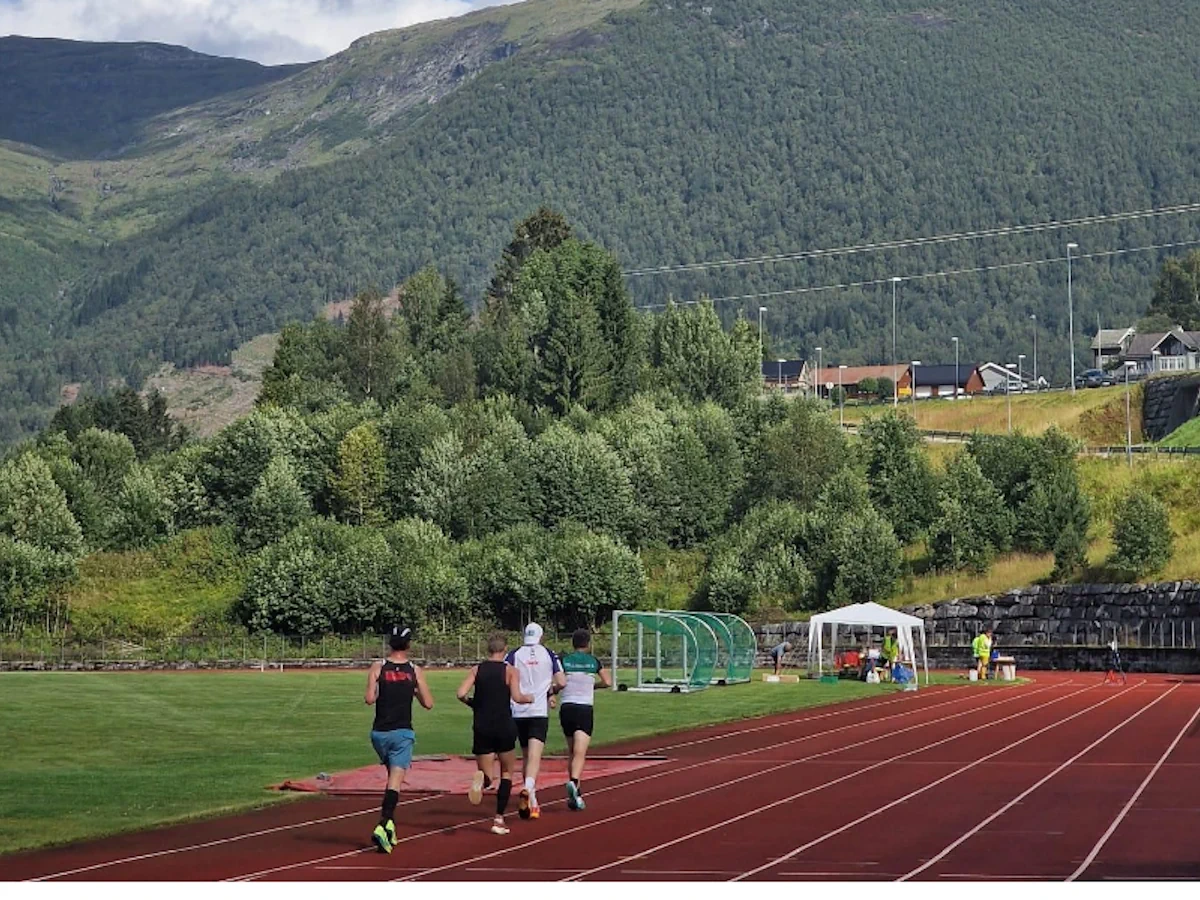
<point x="881" y="810"/>
<point x="1090" y="858"/>
<point x="812" y="790"/>
<point x="966" y="836"/>
<point x="217" y="842"/>
<point x="662" y="774"/>
<point x="726" y="784"/>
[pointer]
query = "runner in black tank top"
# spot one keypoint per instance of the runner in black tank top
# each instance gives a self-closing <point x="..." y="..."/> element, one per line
<point x="391" y="686"/>
<point x="495" y="733"/>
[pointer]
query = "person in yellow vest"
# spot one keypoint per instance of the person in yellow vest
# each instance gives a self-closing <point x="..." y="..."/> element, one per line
<point x="891" y="651"/>
<point x="981" y="649"/>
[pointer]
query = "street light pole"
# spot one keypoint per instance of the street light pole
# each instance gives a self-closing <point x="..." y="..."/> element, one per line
<point x="841" y="397"/>
<point x="1071" y="314"/>
<point x="1035" y="381"/>
<point x="1128" y="421"/>
<point x="913" y="386"/>
<point x="956" y="376"/>
<point x="1020" y="370"/>
<point x="817" y="382"/>
<point x="895" y="386"/>
<point x="761" y="310"/>
<point x="1008" y="392"/>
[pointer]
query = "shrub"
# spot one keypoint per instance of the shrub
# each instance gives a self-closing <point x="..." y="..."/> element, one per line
<point x="1142" y="535"/>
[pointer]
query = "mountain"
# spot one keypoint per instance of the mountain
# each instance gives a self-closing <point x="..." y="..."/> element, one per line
<point x="84" y="100"/>
<point x="671" y="132"/>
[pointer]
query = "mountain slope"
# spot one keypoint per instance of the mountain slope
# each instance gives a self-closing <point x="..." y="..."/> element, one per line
<point x="81" y="99"/>
<point x="675" y="132"/>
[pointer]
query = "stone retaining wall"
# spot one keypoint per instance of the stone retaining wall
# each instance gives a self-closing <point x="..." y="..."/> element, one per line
<point x="1157" y="627"/>
<point x="1167" y="402"/>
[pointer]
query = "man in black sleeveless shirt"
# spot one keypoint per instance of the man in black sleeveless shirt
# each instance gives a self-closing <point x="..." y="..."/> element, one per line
<point x="496" y="686"/>
<point x="391" y="685"/>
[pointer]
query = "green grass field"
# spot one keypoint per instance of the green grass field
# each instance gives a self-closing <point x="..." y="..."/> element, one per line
<point x="87" y="754"/>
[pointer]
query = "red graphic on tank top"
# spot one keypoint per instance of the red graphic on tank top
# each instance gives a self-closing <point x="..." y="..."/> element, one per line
<point x="394" y="675"/>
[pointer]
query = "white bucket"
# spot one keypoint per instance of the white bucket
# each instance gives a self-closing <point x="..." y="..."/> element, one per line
<point x="1008" y="673"/>
<point x="973" y="675"/>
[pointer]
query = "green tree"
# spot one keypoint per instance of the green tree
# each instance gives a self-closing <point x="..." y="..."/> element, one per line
<point x="142" y="515"/>
<point x="794" y="459"/>
<point x="973" y="523"/>
<point x="277" y="505"/>
<point x="374" y="348"/>
<point x="902" y="483"/>
<point x="33" y="508"/>
<point x="544" y="230"/>
<point x="580" y="478"/>
<point x="361" y="476"/>
<point x="1142" y="536"/>
<point x="105" y="457"/>
<point x="1177" y="291"/>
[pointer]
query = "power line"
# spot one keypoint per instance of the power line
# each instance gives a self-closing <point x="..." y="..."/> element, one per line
<point x="846" y="285"/>
<point x="1000" y="231"/>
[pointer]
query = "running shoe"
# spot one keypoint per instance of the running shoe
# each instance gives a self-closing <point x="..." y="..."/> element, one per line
<point x="572" y="796"/>
<point x="381" y="839"/>
<point x="523" y="810"/>
<point x="499" y="828"/>
<point x="534" y="810"/>
<point x="391" y="832"/>
<point x="475" y="794"/>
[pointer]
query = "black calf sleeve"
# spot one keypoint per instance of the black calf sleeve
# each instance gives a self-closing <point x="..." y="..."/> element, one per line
<point x="502" y="794"/>
<point x="390" y="799"/>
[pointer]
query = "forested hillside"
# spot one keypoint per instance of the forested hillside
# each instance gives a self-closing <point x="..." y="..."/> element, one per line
<point x="675" y="132"/>
<point x="88" y="100"/>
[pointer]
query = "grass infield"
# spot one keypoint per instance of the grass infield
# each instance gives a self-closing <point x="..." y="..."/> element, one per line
<point x="84" y="755"/>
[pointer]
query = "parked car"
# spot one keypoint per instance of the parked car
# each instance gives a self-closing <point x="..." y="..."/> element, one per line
<point x="1094" y="378"/>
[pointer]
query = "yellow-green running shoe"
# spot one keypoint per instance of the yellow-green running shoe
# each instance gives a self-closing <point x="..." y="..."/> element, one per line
<point x="391" y="830"/>
<point x="381" y="839"/>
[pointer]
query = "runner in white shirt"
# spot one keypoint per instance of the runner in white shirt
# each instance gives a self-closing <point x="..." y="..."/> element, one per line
<point x="540" y="676"/>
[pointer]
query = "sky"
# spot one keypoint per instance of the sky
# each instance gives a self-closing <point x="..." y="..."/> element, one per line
<point x="267" y="31"/>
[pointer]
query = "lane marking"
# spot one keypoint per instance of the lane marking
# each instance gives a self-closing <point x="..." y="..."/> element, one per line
<point x="1090" y="858"/>
<point x="707" y="789"/>
<point x="966" y="836"/>
<point x="812" y="790"/>
<point x="217" y="842"/>
<point x="661" y="774"/>
<point x="854" y="824"/>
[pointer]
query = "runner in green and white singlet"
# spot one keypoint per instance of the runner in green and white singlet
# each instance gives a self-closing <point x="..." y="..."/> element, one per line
<point x="575" y="713"/>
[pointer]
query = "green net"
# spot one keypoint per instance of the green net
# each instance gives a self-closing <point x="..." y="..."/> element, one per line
<point x="741" y="649"/>
<point x="665" y="651"/>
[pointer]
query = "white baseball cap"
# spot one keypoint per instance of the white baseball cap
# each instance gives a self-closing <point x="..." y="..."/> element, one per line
<point x="533" y="634"/>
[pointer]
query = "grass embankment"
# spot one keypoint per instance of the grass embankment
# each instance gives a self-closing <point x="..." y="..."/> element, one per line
<point x="84" y="755"/>
<point x="1095" y="415"/>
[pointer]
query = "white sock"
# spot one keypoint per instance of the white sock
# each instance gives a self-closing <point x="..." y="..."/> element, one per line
<point x="530" y="785"/>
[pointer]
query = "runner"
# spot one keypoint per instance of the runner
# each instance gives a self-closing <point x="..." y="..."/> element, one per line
<point x="576" y="713"/>
<point x="391" y="685"/>
<point x="540" y="676"/>
<point x="494" y="732"/>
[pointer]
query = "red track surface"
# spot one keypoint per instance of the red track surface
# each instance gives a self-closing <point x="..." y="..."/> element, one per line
<point x="1059" y="779"/>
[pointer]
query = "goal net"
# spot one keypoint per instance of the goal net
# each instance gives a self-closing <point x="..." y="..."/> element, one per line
<point x="677" y="652"/>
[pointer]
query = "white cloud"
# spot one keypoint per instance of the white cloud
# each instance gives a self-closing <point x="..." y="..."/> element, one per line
<point x="269" y="31"/>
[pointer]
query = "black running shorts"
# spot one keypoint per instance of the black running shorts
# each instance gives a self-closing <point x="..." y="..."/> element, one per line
<point x="575" y="717"/>
<point x="532" y="729"/>
<point x="502" y="740"/>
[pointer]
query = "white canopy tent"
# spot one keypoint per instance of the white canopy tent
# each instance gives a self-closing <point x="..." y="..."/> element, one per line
<point x="867" y="615"/>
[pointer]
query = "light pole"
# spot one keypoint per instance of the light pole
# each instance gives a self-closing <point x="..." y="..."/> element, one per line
<point x="761" y="310"/>
<point x="1020" y="376"/>
<point x="780" y="361"/>
<point x="1008" y="392"/>
<point x="895" y="385"/>
<point x="841" y="396"/>
<point x="1154" y="354"/>
<point x="913" y="386"/>
<point x="1035" y="381"/>
<point x="817" y="381"/>
<point x="1128" y="421"/>
<point x="956" y="378"/>
<point x="1071" y="314"/>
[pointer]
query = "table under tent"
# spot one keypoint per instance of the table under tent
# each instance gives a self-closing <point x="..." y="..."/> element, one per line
<point x="679" y="652"/>
<point x="867" y="616"/>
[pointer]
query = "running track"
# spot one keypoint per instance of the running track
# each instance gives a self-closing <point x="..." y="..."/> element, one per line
<point x="1061" y="779"/>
